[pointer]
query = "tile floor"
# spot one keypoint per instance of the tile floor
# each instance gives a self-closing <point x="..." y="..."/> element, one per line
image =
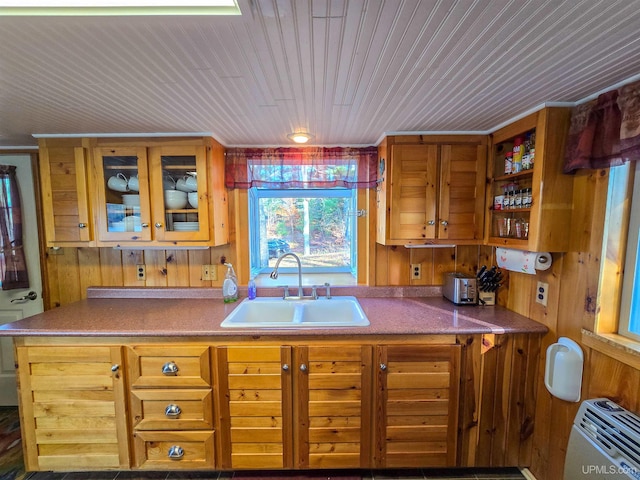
<point x="426" y="474"/>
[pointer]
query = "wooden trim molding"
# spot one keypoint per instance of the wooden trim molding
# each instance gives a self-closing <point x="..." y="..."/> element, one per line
<point x="613" y="345"/>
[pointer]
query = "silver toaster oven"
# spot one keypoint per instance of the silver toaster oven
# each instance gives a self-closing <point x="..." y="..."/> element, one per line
<point x="461" y="289"/>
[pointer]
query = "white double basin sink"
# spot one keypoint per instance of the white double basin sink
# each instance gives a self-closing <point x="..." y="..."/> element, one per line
<point x="275" y="312"/>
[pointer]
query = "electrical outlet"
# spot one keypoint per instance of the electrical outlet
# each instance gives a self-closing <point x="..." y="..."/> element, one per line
<point x="416" y="271"/>
<point x="542" y="292"/>
<point x="141" y="272"/>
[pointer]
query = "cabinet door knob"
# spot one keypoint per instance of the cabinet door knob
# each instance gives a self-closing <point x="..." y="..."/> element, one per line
<point x="431" y="222"/>
<point x="285" y="367"/>
<point x="383" y="367"/>
<point x="175" y="452"/>
<point x="144" y="225"/>
<point x="115" y="368"/>
<point x="303" y="368"/>
<point x="172" y="411"/>
<point x="158" y="225"/>
<point x="444" y="223"/>
<point x="170" y="368"/>
<point x="82" y="225"/>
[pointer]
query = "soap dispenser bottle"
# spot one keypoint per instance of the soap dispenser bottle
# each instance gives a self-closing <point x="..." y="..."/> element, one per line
<point x="251" y="289"/>
<point x="230" y="285"/>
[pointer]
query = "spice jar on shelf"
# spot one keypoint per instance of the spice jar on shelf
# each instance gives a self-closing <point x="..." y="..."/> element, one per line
<point x="517" y="155"/>
<point x="508" y="163"/>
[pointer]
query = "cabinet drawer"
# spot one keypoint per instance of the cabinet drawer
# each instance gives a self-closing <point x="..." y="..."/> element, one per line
<point x="164" y="366"/>
<point x="174" y="450"/>
<point x="175" y="409"/>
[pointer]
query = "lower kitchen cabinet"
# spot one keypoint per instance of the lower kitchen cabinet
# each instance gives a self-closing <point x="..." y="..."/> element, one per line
<point x="334" y="406"/>
<point x="72" y="408"/>
<point x="416" y="405"/>
<point x="431" y="401"/>
<point x="256" y="428"/>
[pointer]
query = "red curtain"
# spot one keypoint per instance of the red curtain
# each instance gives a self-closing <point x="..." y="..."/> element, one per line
<point x="605" y="132"/>
<point x="308" y="167"/>
<point x="12" y="260"/>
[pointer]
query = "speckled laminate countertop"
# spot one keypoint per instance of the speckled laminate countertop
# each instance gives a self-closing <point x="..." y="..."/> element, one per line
<point x="198" y="312"/>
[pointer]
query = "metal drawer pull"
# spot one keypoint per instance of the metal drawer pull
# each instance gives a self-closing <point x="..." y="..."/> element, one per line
<point x="170" y="368"/>
<point x="115" y="368"/>
<point x="285" y="367"/>
<point x="172" y="411"/>
<point x="82" y="225"/>
<point x="303" y="368"/>
<point x="383" y="367"/>
<point x="176" y="452"/>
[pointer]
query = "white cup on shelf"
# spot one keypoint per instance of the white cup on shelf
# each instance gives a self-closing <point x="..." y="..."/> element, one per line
<point x="134" y="184"/>
<point x="168" y="182"/>
<point x="118" y="183"/>
<point x="187" y="184"/>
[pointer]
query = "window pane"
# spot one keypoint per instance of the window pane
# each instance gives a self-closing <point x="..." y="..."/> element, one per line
<point x="634" y="308"/>
<point x="317" y="229"/>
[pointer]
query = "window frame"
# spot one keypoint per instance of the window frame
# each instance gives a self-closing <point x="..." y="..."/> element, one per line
<point x="257" y="193"/>
<point x="630" y="298"/>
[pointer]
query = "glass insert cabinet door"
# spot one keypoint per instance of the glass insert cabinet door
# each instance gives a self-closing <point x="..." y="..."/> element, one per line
<point x="179" y="198"/>
<point x="123" y="194"/>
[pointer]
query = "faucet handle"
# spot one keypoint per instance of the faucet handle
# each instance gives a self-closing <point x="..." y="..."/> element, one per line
<point x="314" y="291"/>
<point x="328" y="287"/>
<point x="286" y="290"/>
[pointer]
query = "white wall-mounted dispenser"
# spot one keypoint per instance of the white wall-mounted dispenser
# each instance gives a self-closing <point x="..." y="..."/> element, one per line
<point x="563" y="370"/>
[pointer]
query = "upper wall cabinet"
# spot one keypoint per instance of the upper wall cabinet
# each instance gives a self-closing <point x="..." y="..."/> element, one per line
<point x="431" y="189"/>
<point x="160" y="192"/>
<point x="529" y="199"/>
<point x="64" y="178"/>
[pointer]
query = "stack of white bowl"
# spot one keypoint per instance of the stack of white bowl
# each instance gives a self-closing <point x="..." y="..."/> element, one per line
<point x="175" y="199"/>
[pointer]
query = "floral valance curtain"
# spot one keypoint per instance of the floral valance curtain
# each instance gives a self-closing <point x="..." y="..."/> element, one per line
<point x="605" y="132"/>
<point x="309" y="167"/>
<point x="13" y="268"/>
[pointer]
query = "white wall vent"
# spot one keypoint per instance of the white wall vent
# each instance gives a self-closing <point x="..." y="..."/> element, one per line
<point x="604" y="443"/>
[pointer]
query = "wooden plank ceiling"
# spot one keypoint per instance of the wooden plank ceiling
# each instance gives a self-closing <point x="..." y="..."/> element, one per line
<point x="347" y="71"/>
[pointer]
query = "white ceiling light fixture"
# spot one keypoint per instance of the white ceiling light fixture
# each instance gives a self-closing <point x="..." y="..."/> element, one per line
<point x="300" y="137"/>
<point x="117" y="7"/>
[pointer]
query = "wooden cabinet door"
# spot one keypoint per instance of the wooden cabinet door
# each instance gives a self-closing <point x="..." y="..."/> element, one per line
<point x="122" y="214"/>
<point x="256" y="428"/>
<point x="334" y="406"/>
<point x="171" y="165"/>
<point x="413" y="190"/>
<point x="65" y="193"/>
<point x="416" y="405"/>
<point x="73" y="408"/>
<point x="461" y="193"/>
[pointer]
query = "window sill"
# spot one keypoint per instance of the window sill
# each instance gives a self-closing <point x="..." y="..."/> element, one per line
<point x="308" y="279"/>
<point x="615" y="346"/>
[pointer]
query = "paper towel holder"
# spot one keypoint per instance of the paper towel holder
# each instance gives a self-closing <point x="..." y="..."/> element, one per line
<point x="563" y="370"/>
